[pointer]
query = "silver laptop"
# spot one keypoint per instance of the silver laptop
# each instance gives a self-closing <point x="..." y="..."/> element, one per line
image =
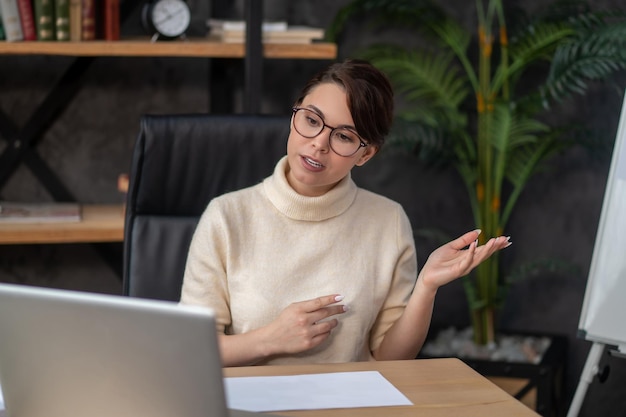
<point x="67" y="353"/>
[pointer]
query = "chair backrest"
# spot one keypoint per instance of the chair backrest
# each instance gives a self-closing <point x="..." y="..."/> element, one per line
<point x="179" y="163"/>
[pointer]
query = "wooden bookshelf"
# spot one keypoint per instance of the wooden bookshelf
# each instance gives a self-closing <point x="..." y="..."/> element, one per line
<point x="99" y="223"/>
<point x="192" y="48"/>
<point x="105" y="223"/>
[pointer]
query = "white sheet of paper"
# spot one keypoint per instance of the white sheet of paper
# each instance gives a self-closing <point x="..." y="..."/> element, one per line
<point x="312" y="392"/>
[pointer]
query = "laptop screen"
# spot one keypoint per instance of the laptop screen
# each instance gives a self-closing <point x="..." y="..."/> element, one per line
<point x="65" y="353"/>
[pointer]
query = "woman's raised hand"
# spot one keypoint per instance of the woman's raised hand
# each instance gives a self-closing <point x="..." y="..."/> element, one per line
<point x="458" y="258"/>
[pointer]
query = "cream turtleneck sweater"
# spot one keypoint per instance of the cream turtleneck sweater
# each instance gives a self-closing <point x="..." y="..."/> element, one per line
<point x="257" y="250"/>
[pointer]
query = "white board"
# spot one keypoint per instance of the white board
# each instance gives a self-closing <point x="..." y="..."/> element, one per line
<point x="603" y="316"/>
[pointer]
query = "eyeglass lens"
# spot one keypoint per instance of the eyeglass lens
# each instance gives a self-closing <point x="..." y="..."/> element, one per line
<point x="343" y="141"/>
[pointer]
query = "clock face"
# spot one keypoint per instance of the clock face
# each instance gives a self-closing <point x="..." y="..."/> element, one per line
<point x="170" y="17"/>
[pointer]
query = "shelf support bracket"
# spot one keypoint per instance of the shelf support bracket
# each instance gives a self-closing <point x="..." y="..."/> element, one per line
<point x="22" y="142"/>
<point x="254" y="56"/>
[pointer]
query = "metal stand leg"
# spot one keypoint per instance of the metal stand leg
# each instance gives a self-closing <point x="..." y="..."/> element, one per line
<point x="590" y="370"/>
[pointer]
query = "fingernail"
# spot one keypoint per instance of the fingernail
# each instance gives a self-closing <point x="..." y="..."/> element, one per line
<point x="478" y="231"/>
<point x="346" y="308"/>
<point x="339" y="298"/>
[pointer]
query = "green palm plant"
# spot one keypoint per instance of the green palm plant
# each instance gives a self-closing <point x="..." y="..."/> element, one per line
<point x="470" y="101"/>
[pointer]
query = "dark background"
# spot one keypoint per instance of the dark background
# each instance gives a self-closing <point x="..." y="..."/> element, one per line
<point x="91" y="142"/>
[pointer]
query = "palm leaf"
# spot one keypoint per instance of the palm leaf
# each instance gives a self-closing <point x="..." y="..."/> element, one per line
<point x="589" y="57"/>
<point x="430" y="84"/>
<point x="510" y="130"/>
<point x="536" y="43"/>
<point x="430" y="145"/>
<point x="523" y="163"/>
<point x="538" y="267"/>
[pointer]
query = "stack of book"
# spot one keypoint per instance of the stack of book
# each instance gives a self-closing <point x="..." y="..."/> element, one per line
<point x="234" y="31"/>
<point x="14" y="212"/>
<point x="59" y="20"/>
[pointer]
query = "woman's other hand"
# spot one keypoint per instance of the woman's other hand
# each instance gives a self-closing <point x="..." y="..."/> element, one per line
<point x="302" y="326"/>
<point x="299" y="327"/>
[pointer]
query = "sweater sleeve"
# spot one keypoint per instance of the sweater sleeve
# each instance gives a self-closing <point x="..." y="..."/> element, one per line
<point x="402" y="281"/>
<point x="204" y="281"/>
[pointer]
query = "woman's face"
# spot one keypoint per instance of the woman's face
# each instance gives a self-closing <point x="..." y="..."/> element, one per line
<point x="313" y="167"/>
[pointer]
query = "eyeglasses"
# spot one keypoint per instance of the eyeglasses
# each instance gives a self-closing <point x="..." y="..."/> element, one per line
<point x="342" y="140"/>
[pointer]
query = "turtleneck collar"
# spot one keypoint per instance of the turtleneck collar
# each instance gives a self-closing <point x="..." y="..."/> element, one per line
<point x="299" y="207"/>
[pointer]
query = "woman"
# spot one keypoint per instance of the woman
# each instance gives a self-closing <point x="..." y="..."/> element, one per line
<point x="306" y="266"/>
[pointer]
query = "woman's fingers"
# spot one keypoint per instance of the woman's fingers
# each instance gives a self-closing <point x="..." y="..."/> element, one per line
<point x="320" y="302"/>
<point x="489" y="248"/>
<point x="465" y="240"/>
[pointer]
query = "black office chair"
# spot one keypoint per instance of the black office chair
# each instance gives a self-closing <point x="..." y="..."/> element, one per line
<point x="180" y="162"/>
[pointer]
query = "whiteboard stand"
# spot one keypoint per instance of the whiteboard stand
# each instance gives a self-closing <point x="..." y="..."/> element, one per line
<point x="603" y="305"/>
<point x="590" y="370"/>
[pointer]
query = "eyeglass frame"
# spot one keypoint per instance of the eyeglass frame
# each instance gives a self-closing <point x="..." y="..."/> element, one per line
<point x="362" y="143"/>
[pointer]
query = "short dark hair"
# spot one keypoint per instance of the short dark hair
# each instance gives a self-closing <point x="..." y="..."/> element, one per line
<point x="369" y="92"/>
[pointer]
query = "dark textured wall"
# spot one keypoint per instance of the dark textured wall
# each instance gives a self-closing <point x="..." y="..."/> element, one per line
<point x="90" y="144"/>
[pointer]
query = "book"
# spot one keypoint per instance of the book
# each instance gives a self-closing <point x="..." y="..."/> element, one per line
<point x="240" y="25"/>
<point x="293" y="34"/>
<point x="76" y="19"/>
<point x="27" y="20"/>
<point x="44" y="19"/>
<point x="11" y="20"/>
<point x="111" y="20"/>
<point x="13" y="212"/>
<point x="88" y="22"/>
<point x="1" y="26"/>
<point x="62" y="20"/>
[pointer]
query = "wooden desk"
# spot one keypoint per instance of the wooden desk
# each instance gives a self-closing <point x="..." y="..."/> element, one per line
<point x="436" y="387"/>
<point x="100" y="223"/>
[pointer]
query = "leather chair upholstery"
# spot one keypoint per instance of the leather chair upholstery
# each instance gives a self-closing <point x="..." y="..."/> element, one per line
<point x="179" y="163"/>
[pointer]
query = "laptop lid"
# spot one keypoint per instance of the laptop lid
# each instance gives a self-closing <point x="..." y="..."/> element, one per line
<point x="67" y="353"/>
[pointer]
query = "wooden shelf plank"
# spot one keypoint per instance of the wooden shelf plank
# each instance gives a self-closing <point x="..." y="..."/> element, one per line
<point x="194" y="47"/>
<point x="100" y="223"/>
